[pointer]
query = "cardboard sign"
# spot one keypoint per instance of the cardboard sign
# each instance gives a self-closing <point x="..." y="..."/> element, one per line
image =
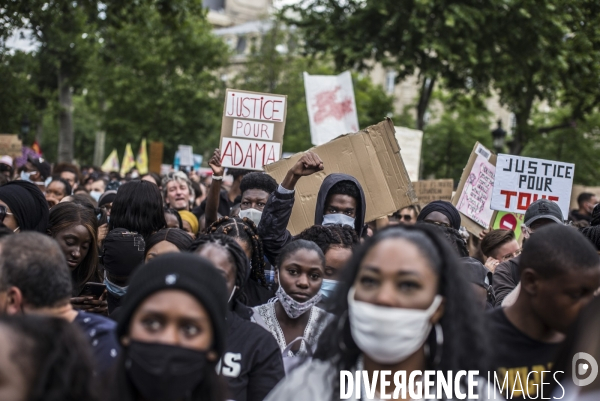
<point x="156" y="156"/>
<point x="474" y="192"/>
<point x="252" y="129"/>
<point x="431" y="190"/>
<point x="185" y="155"/>
<point x="372" y="156"/>
<point x="331" y="106"/>
<point x="410" y="141"/>
<point x="10" y="145"/>
<point x="522" y="180"/>
<point x="578" y="190"/>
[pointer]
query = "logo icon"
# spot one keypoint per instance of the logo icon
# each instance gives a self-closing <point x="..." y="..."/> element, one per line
<point x="582" y="364"/>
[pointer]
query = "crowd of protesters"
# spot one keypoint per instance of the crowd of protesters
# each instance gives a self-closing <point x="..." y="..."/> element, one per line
<point x="187" y="287"/>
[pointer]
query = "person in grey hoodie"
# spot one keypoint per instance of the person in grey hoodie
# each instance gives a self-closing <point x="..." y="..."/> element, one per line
<point x="341" y="200"/>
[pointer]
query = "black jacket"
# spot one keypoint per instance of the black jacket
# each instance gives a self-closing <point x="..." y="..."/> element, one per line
<point x="278" y="210"/>
<point x="506" y="278"/>
<point x="251" y="364"/>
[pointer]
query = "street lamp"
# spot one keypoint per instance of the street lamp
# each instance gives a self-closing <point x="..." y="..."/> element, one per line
<point x="498" y="136"/>
<point x="24" y="130"/>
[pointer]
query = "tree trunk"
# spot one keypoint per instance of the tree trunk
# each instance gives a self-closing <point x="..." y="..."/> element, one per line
<point x="65" y="138"/>
<point x="100" y="139"/>
<point x="424" y="97"/>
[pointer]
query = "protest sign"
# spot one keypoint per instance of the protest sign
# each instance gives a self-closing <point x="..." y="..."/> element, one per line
<point x="509" y="221"/>
<point x="474" y="192"/>
<point x="252" y="129"/>
<point x="156" y="156"/>
<point x="372" y="156"/>
<point x="185" y="155"/>
<point x="331" y="106"/>
<point x="410" y="141"/>
<point x="430" y="190"/>
<point x="10" y="145"/>
<point x="578" y="190"/>
<point x="522" y="180"/>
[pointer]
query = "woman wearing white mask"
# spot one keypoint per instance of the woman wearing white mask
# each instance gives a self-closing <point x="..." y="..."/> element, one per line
<point x="406" y="308"/>
<point x="293" y="317"/>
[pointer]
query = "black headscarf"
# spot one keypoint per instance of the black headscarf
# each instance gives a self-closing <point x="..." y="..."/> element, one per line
<point x="445" y="208"/>
<point x="122" y="251"/>
<point x="27" y="203"/>
<point x="175" y="236"/>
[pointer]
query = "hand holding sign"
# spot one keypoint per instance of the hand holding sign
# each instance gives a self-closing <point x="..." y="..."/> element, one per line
<point x="215" y="164"/>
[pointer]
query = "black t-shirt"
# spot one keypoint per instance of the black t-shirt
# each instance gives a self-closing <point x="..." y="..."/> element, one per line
<point x="252" y="363"/>
<point x="518" y="360"/>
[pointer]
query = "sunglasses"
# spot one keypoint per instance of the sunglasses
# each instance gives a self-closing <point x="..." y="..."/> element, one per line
<point x="405" y="217"/>
<point x="437" y="223"/>
<point x="4" y="212"/>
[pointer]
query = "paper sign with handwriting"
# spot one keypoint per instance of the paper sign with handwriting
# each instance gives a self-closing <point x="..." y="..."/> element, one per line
<point x="252" y="129"/>
<point x="476" y="196"/>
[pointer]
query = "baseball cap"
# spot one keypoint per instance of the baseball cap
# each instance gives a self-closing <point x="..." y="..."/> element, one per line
<point x="43" y="166"/>
<point x="543" y="209"/>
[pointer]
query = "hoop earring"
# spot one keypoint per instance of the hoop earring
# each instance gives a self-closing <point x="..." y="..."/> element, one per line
<point x="439" y="342"/>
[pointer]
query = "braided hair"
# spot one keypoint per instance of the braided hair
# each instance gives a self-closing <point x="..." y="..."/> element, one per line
<point x="245" y="230"/>
<point x="327" y="237"/>
<point x="237" y="257"/>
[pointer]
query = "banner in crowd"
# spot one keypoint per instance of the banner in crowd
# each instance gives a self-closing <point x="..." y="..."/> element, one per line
<point x="331" y="106"/>
<point x="111" y="163"/>
<point x="142" y="158"/>
<point x="410" y="141"/>
<point x="372" y="156"/>
<point x="156" y="156"/>
<point x="430" y="190"/>
<point x="252" y="129"/>
<point x="509" y="221"/>
<point x="474" y="192"/>
<point x="522" y="180"/>
<point x="128" y="160"/>
<point x="184" y="156"/>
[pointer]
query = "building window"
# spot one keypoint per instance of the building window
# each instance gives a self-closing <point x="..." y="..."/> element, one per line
<point x="215" y="5"/>
<point x="390" y="82"/>
<point x="240" y="48"/>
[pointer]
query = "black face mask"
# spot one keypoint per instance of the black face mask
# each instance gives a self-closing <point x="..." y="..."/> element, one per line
<point x="163" y="372"/>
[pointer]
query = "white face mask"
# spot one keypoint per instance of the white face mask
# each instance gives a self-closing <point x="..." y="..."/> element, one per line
<point x="338" y="218"/>
<point x="96" y="195"/>
<point x="389" y="335"/>
<point x="293" y="308"/>
<point x="252" y="214"/>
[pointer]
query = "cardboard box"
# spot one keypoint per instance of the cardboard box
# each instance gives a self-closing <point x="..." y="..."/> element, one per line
<point x="478" y="151"/>
<point x="372" y="156"/>
<point x="11" y="145"/>
<point x="430" y="190"/>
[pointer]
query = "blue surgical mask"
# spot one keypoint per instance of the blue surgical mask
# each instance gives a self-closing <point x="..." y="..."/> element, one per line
<point x="115" y="289"/>
<point x="25" y="176"/>
<point x="338" y="218"/>
<point x="328" y="287"/>
<point x="96" y="195"/>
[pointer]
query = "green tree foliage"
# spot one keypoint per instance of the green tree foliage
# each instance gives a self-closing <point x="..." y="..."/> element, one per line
<point x="448" y="141"/>
<point x="275" y="66"/>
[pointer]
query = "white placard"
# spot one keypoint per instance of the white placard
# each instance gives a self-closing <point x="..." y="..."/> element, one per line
<point x="186" y="155"/>
<point x="522" y="180"/>
<point x="331" y="106"/>
<point x="410" y="141"/>
<point x="249" y="154"/>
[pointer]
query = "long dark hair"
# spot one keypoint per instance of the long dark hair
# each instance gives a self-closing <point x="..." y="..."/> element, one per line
<point x="244" y="229"/>
<point x="464" y="342"/>
<point x="56" y="355"/>
<point x="237" y="257"/>
<point x="138" y="207"/>
<point x="65" y="215"/>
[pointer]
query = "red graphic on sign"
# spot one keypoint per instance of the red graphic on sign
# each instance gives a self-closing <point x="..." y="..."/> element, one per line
<point x="508" y="222"/>
<point x="327" y="106"/>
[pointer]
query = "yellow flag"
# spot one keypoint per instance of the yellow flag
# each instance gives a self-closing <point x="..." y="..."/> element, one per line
<point x="128" y="160"/>
<point x="142" y="159"/>
<point x="111" y="163"/>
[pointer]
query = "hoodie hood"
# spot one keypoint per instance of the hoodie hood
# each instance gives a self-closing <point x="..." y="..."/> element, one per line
<point x="327" y="184"/>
